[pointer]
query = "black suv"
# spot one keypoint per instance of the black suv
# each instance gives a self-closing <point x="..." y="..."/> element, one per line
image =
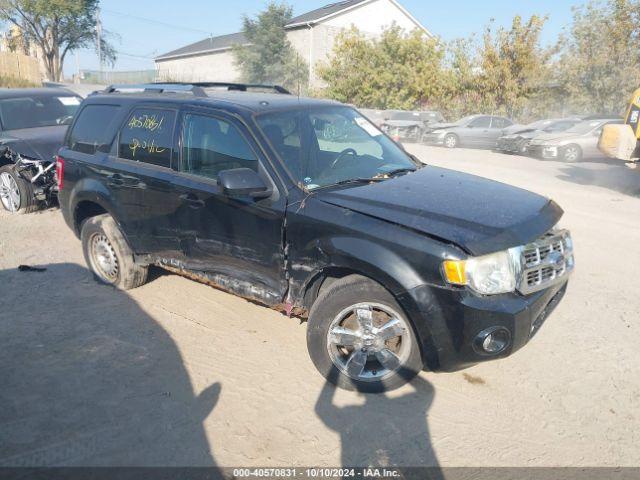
<point x="398" y="266"/>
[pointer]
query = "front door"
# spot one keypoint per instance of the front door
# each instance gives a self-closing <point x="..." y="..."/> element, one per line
<point x="477" y="131"/>
<point x="237" y="242"/>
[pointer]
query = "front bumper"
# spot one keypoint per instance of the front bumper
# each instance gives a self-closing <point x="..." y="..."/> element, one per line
<point x="433" y="138"/>
<point x="544" y="151"/>
<point x="448" y="322"/>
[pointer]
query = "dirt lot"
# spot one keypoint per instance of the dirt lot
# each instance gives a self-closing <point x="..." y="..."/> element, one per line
<point x="177" y="373"/>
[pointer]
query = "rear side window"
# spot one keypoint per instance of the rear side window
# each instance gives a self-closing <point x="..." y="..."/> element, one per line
<point x="92" y="131"/>
<point x="211" y="145"/>
<point x="499" y="122"/>
<point x="147" y="137"/>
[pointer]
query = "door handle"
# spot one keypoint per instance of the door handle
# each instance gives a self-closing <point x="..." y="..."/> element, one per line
<point x="116" y="180"/>
<point x="191" y="200"/>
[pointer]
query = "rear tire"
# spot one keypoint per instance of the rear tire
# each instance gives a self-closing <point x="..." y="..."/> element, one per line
<point x="356" y="350"/>
<point x="16" y="194"/>
<point x="108" y="255"/>
<point x="451" y="140"/>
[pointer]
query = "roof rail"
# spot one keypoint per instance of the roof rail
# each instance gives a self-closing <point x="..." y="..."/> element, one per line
<point x="197" y="89"/>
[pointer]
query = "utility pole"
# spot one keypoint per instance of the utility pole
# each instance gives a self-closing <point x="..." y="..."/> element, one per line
<point x="99" y="40"/>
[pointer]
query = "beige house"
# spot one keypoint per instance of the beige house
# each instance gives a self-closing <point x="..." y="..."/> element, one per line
<point x="312" y="34"/>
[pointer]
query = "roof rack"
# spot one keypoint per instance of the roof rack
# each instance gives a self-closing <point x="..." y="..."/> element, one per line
<point x="197" y="89"/>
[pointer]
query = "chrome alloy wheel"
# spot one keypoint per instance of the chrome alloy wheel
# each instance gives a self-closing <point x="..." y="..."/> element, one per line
<point x="450" y="141"/>
<point x="103" y="258"/>
<point x="368" y="341"/>
<point x="9" y="192"/>
<point x="571" y="154"/>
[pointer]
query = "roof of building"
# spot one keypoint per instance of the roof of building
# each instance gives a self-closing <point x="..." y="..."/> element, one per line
<point x="210" y="44"/>
<point x="323" y="12"/>
<point x="225" y="42"/>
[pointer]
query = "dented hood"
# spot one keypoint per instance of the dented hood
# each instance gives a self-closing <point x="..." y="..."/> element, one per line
<point x="479" y="215"/>
<point x="40" y="143"/>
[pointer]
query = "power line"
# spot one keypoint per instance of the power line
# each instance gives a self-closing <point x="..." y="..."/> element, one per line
<point x="157" y="22"/>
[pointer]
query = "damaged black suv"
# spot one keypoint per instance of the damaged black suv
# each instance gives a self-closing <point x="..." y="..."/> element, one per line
<point x="307" y="207"/>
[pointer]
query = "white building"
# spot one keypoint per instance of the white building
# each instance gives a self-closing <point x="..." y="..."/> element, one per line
<point x="312" y="34"/>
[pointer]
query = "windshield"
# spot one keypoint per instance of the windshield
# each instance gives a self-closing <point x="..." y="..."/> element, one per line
<point x="37" y="111"/>
<point x="465" y="120"/>
<point x="326" y="145"/>
<point x="584" y="127"/>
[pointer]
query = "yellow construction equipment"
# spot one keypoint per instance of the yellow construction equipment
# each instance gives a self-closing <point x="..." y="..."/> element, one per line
<point x="623" y="141"/>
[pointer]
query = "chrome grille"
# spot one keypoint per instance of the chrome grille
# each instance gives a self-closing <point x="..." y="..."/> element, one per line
<point x="547" y="261"/>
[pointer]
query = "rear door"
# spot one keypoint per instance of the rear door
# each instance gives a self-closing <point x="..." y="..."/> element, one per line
<point x="237" y="242"/>
<point x="143" y="156"/>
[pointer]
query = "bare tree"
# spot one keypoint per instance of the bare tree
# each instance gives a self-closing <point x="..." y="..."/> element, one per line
<point x="57" y="27"/>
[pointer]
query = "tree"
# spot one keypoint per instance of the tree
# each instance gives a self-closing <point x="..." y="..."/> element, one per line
<point x="513" y="66"/>
<point x="399" y="70"/>
<point x="57" y="27"/>
<point x="599" y="64"/>
<point x="269" y="57"/>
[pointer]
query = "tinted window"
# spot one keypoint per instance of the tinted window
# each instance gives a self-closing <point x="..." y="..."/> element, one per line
<point x="37" y="111"/>
<point x="148" y="137"/>
<point x="211" y="145"/>
<point x="481" y="122"/>
<point x="93" y="130"/>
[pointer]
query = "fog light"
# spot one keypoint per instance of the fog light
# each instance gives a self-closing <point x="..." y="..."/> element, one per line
<point x="492" y="340"/>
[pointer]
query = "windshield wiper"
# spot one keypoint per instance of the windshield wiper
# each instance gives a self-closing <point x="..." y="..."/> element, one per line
<point x="394" y="173"/>
<point x="349" y="182"/>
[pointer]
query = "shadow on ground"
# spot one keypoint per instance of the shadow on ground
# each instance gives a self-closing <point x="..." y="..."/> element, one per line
<point x="88" y="378"/>
<point x="614" y="176"/>
<point x="387" y="430"/>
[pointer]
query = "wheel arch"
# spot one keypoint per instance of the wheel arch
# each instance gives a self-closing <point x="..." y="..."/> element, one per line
<point x="351" y="256"/>
<point x="90" y="199"/>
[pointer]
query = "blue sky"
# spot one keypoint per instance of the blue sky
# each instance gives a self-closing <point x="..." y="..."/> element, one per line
<point x="143" y="29"/>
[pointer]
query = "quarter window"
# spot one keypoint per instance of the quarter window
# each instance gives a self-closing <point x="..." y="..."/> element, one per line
<point x="148" y="137"/>
<point x="94" y="129"/>
<point x="211" y="145"/>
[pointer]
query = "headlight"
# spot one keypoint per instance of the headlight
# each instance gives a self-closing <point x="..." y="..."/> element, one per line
<point x="488" y="275"/>
<point x="438" y="132"/>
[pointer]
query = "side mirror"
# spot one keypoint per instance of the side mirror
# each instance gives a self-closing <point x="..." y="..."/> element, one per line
<point x="470" y="126"/>
<point x="241" y="182"/>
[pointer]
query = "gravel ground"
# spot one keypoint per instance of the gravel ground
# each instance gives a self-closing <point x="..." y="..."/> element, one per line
<point x="177" y="373"/>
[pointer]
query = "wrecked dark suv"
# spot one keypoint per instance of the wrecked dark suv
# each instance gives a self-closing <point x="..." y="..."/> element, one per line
<point x="398" y="266"/>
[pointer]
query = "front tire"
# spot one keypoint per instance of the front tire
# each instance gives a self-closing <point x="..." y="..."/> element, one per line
<point x="451" y="141"/>
<point x="16" y="194"/>
<point x="360" y="339"/>
<point x="571" y="153"/>
<point x="108" y="255"/>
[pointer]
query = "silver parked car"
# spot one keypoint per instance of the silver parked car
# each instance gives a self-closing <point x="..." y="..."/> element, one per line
<point x="517" y="141"/>
<point x="477" y="131"/>
<point x="572" y="145"/>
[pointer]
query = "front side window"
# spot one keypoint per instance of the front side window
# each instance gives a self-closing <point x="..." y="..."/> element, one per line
<point x="94" y="129"/>
<point x="38" y="111"/>
<point x="323" y="146"/>
<point x="481" y="122"/>
<point x="211" y="145"/>
<point x="147" y="137"/>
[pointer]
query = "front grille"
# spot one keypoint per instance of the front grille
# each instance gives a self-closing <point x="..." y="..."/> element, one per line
<point x="547" y="261"/>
